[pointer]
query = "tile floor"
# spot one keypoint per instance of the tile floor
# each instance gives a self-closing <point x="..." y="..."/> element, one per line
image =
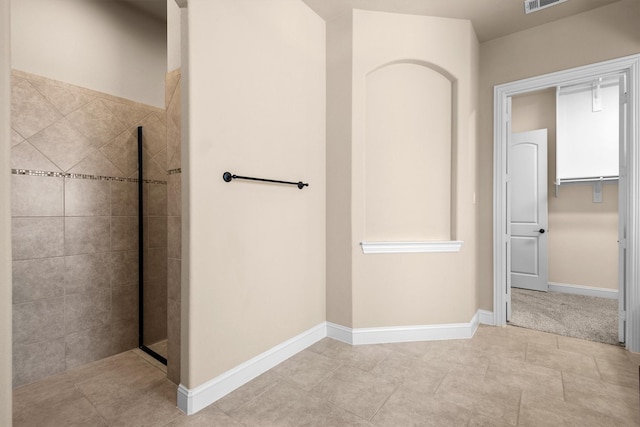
<point x="501" y="377"/>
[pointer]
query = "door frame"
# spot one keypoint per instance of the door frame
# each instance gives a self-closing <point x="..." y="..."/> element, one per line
<point x="629" y="65"/>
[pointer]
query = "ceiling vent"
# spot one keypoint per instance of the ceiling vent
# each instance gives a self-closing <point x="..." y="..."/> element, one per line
<point x="536" y="5"/>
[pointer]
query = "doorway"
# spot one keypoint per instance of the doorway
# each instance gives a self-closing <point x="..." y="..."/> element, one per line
<point x="630" y="185"/>
<point x="577" y="295"/>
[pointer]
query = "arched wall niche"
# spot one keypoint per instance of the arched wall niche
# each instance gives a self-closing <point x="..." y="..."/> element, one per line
<point x="410" y="152"/>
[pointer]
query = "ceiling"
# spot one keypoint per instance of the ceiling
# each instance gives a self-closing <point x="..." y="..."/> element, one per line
<point x="491" y="18"/>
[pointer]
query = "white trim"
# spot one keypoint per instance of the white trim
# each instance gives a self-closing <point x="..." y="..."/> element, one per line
<point x="485" y="317"/>
<point x="340" y="333"/>
<point x="566" y="288"/>
<point x="395" y="334"/>
<point x="410" y="247"/>
<point x="193" y="400"/>
<point x="629" y="65"/>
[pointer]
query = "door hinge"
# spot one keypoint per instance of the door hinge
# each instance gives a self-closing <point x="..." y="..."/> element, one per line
<point x="623" y="243"/>
<point x="624" y="98"/>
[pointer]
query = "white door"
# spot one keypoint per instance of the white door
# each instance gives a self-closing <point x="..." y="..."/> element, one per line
<point x="529" y="216"/>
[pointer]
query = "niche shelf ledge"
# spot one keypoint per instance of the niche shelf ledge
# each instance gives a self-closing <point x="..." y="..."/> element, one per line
<point x="411" y="247"/>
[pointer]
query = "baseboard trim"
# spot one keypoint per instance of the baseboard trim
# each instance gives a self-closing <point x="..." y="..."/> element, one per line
<point x="193" y="400"/>
<point x="566" y="288"/>
<point x="485" y="317"/>
<point x="340" y="333"/>
<point x="394" y="334"/>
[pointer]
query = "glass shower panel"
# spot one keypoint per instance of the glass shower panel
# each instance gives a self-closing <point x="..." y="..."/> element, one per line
<point x="153" y="248"/>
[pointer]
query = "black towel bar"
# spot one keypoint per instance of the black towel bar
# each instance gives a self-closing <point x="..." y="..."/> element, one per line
<point x="228" y="177"/>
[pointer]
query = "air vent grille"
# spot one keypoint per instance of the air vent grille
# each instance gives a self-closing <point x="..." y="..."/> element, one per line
<point x="536" y="5"/>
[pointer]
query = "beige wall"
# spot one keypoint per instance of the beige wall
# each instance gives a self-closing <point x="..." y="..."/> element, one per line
<point x="416" y="289"/>
<point x="583" y="235"/>
<point x="256" y="255"/>
<point x="102" y="45"/>
<point x="5" y="215"/>
<point x="339" y="51"/>
<point x="605" y="33"/>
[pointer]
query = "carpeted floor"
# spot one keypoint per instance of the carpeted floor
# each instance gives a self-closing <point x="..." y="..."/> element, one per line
<point x="579" y="316"/>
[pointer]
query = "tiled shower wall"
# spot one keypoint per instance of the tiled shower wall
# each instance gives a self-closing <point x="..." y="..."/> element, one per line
<point x="174" y="212"/>
<point x="75" y="223"/>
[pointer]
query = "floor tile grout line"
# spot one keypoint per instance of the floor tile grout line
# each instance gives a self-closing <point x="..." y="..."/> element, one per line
<point x="384" y="403"/>
<point x="95" y="408"/>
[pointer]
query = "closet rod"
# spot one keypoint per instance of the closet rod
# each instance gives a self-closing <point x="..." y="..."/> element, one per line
<point x="228" y="177"/>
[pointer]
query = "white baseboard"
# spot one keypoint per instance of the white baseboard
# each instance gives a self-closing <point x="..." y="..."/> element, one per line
<point x="566" y="288"/>
<point x="340" y="333"/>
<point x="450" y="331"/>
<point x="486" y="317"/>
<point x="193" y="400"/>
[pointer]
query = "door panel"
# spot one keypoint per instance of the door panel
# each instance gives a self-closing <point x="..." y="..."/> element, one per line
<point x="529" y="264"/>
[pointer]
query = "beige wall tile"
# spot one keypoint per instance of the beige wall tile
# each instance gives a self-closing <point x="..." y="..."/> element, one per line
<point x="16" y="138"/>
<point x="157" y="228"/>
<point x="174" y="194"/>
<point x="87" y="272"/>
<point x="66" y="98"/>
<point x="96" y="122"/>
<point x="85" y="235"/>
<point x="173" y="341"/>
<point x="37" y="237"/>
<point x="174" y="267"/>
<point x="37" y="279"/>
<point x="161" y="158"/>
<point x="129" y="114"/>
<point x="88" y="310"/>
<point x="122" y="151"/>
<point x="154" y="135"/>
<point x="38" y="320"/>
<point x="174" y="237"/>
<point x="88" y="346"/>
<point x="32" y="362"/>
<point x="26" y="156"/>
<point x="97" y="164"/>
<point x="87" y="197"/>
<point x="125" y="335"/>
<point x="36" y="196"/>
<point x="125" y="303"/>
<point x="172" y="79"/>
<point x="155" y="310"/>
<point x="30" y="111"/>
<point x="155" y="199"/>
<point x="124" y="233"/>
<point x="173" y="145"/>
<point x="62" y="144"/>
<point x="124" y="198"/>
<point x="155" y="325"/>
<point x="174" y="108"/>
<point x="155" y="263"/>
<point x="153" y="171"/>
<point x="124" y="267"/>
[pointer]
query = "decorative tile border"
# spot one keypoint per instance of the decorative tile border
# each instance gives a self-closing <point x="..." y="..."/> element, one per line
<point x="81" y="176"/>
<point x="174" y="171"/>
